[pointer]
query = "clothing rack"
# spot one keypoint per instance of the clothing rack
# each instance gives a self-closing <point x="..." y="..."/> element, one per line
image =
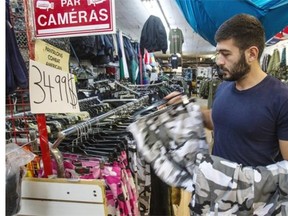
<point x="86" y="125"/>
<point x="29" y="113"/>
<point x="117" y="83"/>
<point x="95" y="120"/>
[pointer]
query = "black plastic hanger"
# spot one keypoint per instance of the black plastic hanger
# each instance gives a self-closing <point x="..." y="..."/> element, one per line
<point x="153" y="107"/>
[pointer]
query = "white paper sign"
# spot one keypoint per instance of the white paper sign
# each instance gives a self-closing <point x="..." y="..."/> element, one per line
<point x="51" y="90"/>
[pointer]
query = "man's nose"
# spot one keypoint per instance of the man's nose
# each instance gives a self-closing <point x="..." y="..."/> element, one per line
<point x="219" y="60"/>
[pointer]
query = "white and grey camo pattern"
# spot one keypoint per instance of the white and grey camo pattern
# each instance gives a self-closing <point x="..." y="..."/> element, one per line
<point x="173" y="141"/>
<point x="169" y="140"/>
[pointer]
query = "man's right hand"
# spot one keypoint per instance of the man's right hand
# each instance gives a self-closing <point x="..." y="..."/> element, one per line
<point x="172" y="98"/>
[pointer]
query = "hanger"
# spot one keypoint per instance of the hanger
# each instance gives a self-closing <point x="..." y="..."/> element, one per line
<point x="81" y="145"/>
<point x="153" y="106"/>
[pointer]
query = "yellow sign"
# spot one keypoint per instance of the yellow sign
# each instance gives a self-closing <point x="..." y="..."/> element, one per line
<point x="51" y="56"/>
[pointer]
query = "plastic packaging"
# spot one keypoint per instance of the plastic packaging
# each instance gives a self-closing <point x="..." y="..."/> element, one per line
<point x="16" y="159"/>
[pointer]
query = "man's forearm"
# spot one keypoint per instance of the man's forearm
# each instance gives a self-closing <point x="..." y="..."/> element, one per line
<point x="207" y="120"/>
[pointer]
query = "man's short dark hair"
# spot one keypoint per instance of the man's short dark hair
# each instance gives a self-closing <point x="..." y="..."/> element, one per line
<point x="246" y="30"/>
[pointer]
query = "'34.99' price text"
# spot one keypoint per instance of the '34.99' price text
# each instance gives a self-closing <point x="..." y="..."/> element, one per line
<point x="52" y="90"/>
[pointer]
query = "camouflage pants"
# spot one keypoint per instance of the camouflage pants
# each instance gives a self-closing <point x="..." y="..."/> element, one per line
<point x="173" y="141"/>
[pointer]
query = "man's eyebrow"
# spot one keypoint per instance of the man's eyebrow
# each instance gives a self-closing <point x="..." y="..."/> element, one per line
<point x="222" y="50"/>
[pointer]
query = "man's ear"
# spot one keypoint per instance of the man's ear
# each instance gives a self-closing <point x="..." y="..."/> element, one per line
<point x="252" y="54"/>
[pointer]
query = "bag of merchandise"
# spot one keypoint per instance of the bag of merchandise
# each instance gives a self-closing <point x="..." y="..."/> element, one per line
<point x="16" y="159"/>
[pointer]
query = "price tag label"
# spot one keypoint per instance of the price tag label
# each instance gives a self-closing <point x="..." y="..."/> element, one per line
<point x="51" y="90"/>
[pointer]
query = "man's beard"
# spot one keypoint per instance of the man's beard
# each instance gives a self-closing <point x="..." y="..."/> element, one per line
<point x="238" y="71"/>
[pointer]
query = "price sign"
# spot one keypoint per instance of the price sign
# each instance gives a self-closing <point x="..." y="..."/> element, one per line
<point x="51" y="90"/>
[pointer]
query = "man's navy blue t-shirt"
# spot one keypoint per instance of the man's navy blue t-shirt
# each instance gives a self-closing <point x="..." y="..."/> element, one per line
<point x="249" y="123"/>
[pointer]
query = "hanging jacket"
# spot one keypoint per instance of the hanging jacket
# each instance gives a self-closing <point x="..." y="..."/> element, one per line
<point x="283" y="58"/>
<point x="265" y="62"/>
<point x="16" y="71"/>
<point x="84" y="47"/>
<point x="153" y="36"/>
<point x="173" y="142"/>
<point x="274" y="63"/>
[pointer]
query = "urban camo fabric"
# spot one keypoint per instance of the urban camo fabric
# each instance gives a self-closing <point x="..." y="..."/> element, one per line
<point x="173" y="141"/>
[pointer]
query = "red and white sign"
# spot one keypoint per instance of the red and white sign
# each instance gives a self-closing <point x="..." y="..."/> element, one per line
<point x="66" y="18"/>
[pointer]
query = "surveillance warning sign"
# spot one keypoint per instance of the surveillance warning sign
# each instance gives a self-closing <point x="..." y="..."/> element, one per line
<point x="68" y="18"/>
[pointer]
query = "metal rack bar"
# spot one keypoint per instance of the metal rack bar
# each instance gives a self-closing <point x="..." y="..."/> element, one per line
<point x="125" y="87"/>
<point x="20" y="114"/>
<point x="101" y="81"/>
<point x="149" y="85"/>
<point x="89" y="99"/>
<point x="28" y="113"/>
